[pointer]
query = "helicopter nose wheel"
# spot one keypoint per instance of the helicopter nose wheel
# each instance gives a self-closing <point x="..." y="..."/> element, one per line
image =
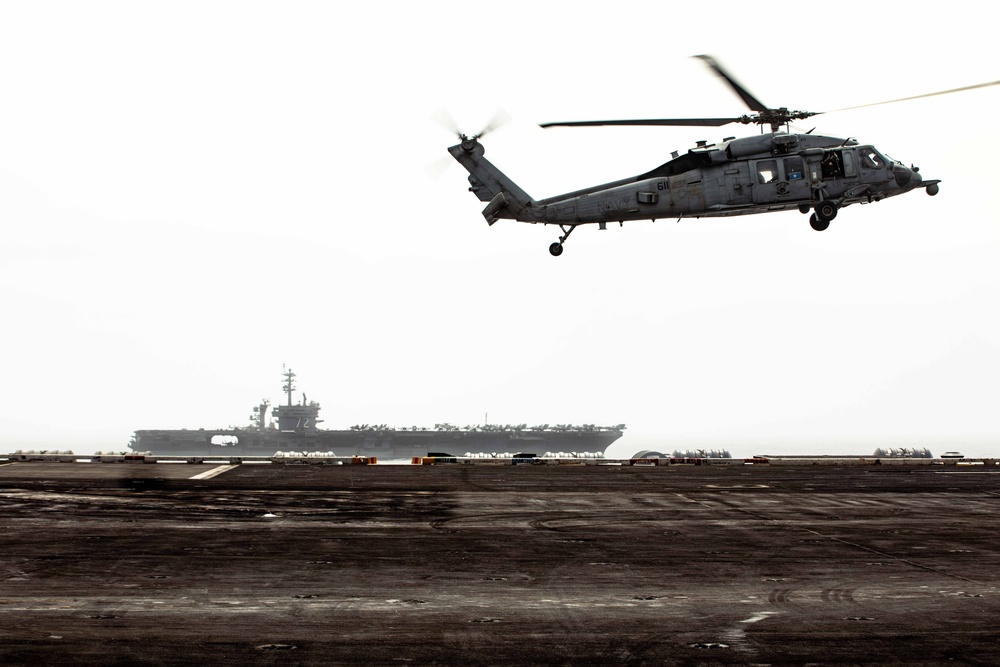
<point x="556" y="249"/>
<point x="818" y="224"/>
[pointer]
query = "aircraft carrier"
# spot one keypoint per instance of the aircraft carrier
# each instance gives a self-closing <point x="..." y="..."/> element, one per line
<point x="294" y="428"/>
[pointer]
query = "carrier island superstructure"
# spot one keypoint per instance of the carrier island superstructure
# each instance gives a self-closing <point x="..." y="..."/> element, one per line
<point x="295" y="427"/>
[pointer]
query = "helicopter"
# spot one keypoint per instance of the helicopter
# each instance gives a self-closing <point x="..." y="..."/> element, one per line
<point x="773" y="171"/>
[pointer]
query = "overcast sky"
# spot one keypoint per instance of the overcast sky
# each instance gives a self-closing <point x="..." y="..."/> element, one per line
<point x="193" y="194"/>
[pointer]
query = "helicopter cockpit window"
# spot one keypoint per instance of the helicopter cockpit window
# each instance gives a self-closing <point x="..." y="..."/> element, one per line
<point x="767" y="171"/>
<point x="871" y="158"/>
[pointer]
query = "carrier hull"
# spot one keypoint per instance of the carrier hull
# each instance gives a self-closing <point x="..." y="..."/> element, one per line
<point x="384" y="444"/>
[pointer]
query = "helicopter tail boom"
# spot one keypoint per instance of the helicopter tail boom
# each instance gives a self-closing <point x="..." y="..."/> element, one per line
<point x="506" y="199"/>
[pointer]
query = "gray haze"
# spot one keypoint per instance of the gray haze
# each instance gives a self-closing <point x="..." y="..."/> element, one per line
<point x="193" y="194"/>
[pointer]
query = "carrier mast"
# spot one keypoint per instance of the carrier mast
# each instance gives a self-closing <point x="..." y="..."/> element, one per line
<point x="301" y="418"/>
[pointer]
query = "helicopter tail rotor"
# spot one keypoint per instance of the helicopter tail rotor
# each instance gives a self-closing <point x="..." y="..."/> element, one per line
<point x="445" y="120"/>
<point x="500" y="118"/>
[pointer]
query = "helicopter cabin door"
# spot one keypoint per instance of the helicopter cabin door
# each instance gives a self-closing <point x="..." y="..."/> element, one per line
<point x="839" y="169"/>
<point x="780" y="181"/>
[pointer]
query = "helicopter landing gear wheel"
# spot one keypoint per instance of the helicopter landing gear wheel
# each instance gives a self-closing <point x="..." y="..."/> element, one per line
<point x="803" y="208"/>
<point x="818" y="224"/>
<point x="826" y="210"/>
<point x="556" y="248"/>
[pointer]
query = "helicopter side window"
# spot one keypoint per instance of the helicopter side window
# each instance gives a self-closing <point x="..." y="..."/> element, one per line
<point x="793" y="168"/>
<point x="849" y="167"/>
<point x="767" y="171"/>
<point x="870" y="158"/>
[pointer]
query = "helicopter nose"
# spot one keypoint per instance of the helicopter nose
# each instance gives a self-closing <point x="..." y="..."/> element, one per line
<point x="906" y="177"/>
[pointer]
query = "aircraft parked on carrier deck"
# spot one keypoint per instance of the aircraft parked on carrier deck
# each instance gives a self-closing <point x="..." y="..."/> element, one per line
<point x="769" y="172"/>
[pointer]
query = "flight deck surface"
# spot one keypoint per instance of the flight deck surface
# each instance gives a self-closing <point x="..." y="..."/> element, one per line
<point x="131" y="564"/>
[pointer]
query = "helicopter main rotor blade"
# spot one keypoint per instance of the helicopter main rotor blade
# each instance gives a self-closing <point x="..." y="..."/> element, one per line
<point x="917" y="97"/>
<point x="744" y="94"/>
<point x="709" y="122"/>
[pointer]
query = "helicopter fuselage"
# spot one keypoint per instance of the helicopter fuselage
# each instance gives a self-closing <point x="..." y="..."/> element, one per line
<point x="757" y="174"/>
<point x="771" y="172"/>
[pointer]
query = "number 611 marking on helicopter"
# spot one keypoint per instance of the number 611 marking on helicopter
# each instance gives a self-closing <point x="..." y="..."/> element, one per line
<point x="769" y="172"/>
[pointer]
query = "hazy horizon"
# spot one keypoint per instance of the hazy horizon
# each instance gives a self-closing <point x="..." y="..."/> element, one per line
<point x="194" y="195"/>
